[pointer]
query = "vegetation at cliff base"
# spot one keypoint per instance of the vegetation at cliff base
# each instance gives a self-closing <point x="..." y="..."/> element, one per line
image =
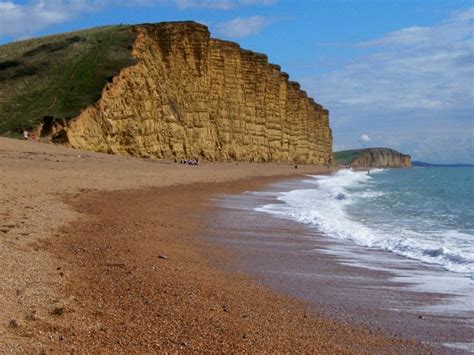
<point x="55" y="77"/>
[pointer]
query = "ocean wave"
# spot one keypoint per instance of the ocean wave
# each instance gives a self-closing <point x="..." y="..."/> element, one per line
<point x="326" y="207"/>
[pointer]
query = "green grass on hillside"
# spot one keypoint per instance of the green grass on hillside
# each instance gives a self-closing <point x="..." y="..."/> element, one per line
<point x="55" y="77"/>
<point x="347" y="156"/>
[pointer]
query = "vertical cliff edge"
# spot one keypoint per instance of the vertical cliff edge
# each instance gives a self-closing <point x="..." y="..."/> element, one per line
<point x="193" y="96"/>
<point x="187" y="95"/>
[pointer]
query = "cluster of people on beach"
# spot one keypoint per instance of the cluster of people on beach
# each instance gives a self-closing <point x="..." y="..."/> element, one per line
<point x="27" y="135"/>
<point x="189" y="161"/>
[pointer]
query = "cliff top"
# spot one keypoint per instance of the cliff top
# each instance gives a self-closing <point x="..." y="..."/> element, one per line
<point x="59" y="75"/>
<point x="346" y="157"/>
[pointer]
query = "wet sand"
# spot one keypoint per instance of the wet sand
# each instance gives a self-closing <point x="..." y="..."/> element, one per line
<point x="299" y="261"/>
<point x="105" y="254"/>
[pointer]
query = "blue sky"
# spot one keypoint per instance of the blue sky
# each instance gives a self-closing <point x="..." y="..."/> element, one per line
<point x="395" y="73"/>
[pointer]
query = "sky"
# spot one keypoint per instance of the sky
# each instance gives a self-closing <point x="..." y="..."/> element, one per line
<point x="392" y="73"/>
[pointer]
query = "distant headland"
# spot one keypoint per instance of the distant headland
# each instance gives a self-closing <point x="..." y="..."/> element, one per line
<point x="373" y="158"/>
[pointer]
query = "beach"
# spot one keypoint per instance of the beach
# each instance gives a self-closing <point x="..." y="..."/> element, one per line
<point x="104" y="253"/>
<point x="402" y="297"/>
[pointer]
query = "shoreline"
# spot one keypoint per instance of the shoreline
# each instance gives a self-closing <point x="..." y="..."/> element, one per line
<point x="385" y="295"/>
<point x="122" y="270"/>
<point x="156" y="289"/>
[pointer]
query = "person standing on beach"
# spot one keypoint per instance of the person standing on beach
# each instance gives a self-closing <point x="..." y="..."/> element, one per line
<point x="25" y="134"/>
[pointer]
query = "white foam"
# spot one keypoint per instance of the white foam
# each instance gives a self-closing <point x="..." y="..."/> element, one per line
<point x="461" y="346"/>
<point x="326" y="206"/>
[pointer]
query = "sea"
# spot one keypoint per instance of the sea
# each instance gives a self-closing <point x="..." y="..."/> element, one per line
<point x="390" y="249"/>
<point x="425" y="214"/>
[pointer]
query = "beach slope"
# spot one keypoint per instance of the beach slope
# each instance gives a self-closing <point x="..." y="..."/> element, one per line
<point x="99" y="253"/>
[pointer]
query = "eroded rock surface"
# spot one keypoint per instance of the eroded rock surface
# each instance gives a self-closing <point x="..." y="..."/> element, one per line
<point x="192" y="96"/>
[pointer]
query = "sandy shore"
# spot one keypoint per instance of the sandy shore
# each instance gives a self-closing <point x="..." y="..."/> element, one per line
<point x="357" y="285"/>
<point x="99" y="254"/>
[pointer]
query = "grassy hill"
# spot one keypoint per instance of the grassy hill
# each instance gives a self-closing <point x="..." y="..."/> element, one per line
<point x="347" y="156"/>
<point x="55" y="77"/>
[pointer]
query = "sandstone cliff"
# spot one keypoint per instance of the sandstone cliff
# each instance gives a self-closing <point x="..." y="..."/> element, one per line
<point x="192" y="96"/>
<point x="373" y="157"/>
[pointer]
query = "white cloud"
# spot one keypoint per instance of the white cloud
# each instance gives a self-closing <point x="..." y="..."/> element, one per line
<point x="26" y="18"/>
<point x="426" y="68"/>
<point x="412" y="80"/>
<point x="405" y="36"/>
<point x="364" y="138"/>
<point x="242" y="27"/>
<point x="216" y="4"/>
<point x="219" y="4"/>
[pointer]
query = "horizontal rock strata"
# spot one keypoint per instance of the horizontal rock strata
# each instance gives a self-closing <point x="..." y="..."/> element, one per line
<point x="192" y="96"/>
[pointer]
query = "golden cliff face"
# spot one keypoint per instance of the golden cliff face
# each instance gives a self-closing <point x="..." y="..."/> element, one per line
<point x="191" y="96"/>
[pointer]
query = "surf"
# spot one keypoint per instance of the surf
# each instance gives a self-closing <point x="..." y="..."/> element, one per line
<point x="380" y="211"/>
